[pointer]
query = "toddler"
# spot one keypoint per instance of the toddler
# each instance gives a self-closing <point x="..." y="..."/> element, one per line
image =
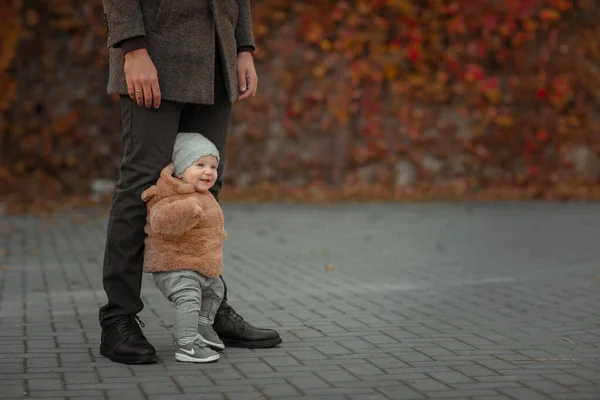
<point x="184" y="245"/>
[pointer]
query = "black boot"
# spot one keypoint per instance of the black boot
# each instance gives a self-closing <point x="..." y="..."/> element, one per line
<point x="124" y="342"/>
<point x="235" y="332"/>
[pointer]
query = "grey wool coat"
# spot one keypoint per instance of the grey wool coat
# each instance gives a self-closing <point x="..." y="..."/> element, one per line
<point x="181" y="36"/>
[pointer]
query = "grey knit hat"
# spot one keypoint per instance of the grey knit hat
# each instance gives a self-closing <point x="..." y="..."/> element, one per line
<point x="189" y="147"/>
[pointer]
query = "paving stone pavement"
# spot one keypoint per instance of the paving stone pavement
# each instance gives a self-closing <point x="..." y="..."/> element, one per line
<point x="420" y="301"/>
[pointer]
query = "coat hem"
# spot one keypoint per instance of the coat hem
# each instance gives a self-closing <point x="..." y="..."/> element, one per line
<point x="174" y="99"/>
<point x="150" y="270"/>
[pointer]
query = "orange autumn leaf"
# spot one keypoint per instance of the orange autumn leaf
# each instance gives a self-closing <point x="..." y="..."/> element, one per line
<point x="32" y="17"/>
<point x="549" y="15"/>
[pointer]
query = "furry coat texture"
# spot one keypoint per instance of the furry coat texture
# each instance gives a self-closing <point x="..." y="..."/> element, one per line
<point x="178" y="239"/>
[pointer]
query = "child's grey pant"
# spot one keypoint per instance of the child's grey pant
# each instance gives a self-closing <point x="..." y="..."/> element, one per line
<point x="193" y="295"/>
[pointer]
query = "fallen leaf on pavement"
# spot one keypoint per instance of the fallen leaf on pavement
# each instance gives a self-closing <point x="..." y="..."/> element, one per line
<point x="329" y="267"/>
<point x="4" y="268"/>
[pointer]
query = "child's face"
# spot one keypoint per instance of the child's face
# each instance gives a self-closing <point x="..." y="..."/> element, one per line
<point x="202" y="174"/>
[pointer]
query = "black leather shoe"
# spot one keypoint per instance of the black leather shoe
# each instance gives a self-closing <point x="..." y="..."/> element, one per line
<point x="124" y="342"/>
<point x="235" y="332"/>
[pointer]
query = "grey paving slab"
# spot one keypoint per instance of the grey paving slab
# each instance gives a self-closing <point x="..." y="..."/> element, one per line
<point x="378" y="301"/>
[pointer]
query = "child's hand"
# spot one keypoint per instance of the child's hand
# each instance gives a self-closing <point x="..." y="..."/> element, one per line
<point x="198" y="210"/>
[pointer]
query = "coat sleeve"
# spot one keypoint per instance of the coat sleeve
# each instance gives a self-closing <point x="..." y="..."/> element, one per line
<point x="172" y="219"/>
<point x="123" y="19"/>
<point x="243" y="31"/>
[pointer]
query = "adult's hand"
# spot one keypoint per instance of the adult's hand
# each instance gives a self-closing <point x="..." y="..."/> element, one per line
<point x="142" y="78"/>
<point x="247" y="79"/>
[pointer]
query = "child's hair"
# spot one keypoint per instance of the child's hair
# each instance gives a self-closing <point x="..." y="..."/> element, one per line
<point x="189" y="147"/>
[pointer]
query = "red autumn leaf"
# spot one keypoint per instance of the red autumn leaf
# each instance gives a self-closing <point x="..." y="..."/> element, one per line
<point x="533" y="169"/>
<point x="453" y="65"/>
<point x="415" y="37"/>
<point x="479" y="48"/>
<point x="337" y="14"/>
<point x="528" y="149"/>
<point x="452" y="8"/>
<point x="372" y="146"/>
<point x="542" y="93"/>
<point x="489" y="21"/>
<point x="473" y="73"/>
<point x="508" y="26"/>
<point x="413" y="54"/>
<point x="522" y="8"/>
<point x="489" y="83"/>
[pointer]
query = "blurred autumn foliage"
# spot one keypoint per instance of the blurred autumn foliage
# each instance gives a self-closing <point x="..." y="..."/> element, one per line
<point x="358" y="99"/>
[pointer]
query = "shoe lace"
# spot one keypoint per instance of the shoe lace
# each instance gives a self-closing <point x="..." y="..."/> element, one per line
<point x="129" y="326"/>
<point x="230" y="312"/>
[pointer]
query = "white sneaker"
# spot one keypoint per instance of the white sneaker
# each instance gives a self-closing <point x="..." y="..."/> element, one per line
<point x="195" y="351"/>
<point x="210" y="337"/>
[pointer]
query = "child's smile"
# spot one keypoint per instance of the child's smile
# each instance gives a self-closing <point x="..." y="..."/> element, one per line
<point x="202" y="174"/>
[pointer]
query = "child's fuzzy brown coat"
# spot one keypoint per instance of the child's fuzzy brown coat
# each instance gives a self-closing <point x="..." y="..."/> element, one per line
<point x="178" y="239"/>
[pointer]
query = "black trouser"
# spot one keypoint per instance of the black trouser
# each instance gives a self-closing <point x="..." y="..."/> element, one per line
<point x="148" y="139"/>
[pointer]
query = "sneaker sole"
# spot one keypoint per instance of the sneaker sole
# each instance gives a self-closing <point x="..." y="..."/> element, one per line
<point x="184" y="358"/>
<point x="214" y="346"/>
<point x="106" y="352"/>
<point x="258" y="344"/>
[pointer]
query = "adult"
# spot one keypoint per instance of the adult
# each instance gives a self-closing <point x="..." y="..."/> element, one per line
<point x="178" y="66"/>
